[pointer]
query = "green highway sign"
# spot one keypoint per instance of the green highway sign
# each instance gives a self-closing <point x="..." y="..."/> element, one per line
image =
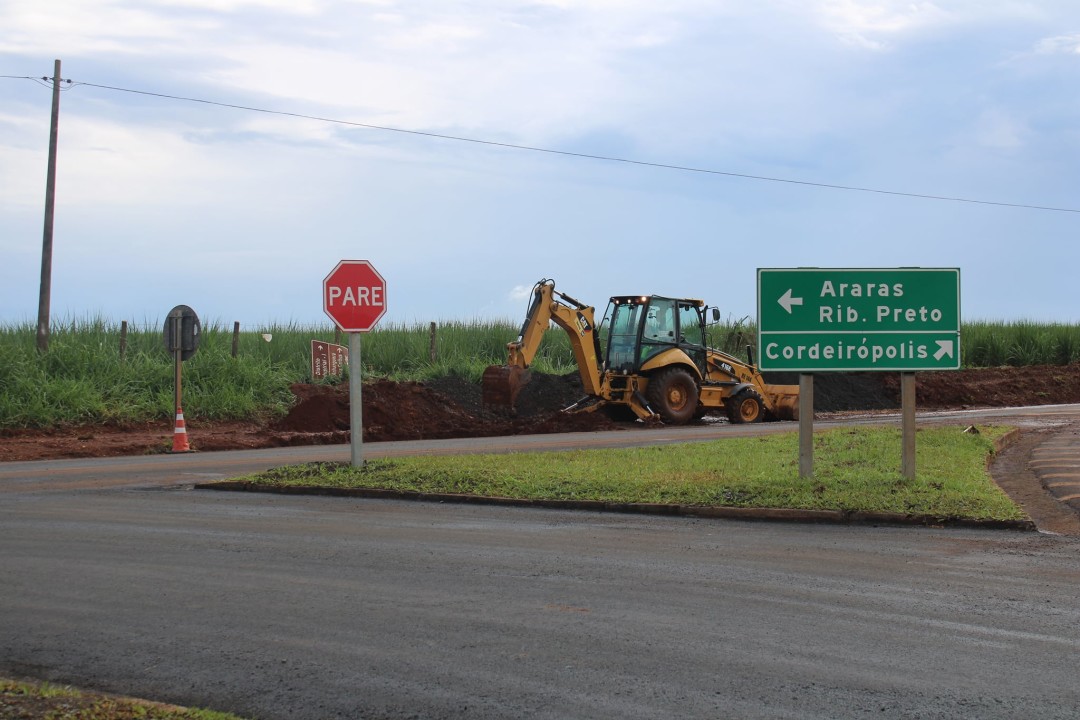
<point x="859" y="319"/>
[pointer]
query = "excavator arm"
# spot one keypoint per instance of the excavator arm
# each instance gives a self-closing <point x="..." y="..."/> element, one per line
<point x="502" y="383"/>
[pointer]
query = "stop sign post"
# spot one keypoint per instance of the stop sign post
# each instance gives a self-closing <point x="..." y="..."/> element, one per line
<point x="354" y="296"/>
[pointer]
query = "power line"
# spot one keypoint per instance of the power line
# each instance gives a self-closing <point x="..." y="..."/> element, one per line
<point x="43" y="81"/>
<point x="567" y="153"/>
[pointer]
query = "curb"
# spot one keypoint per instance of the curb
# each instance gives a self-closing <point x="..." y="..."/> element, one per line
<point x="838" y="517"/>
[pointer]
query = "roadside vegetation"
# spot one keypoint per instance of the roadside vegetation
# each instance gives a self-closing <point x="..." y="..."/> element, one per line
<point x="34" y="700"/>
<point x="84" y="378"/>
<point x="854" y="470"/>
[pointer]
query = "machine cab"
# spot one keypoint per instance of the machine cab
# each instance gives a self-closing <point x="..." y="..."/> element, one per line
<point x="637" y="328"/>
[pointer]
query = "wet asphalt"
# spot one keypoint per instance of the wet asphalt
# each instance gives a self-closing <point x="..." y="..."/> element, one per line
<point x="1056" y="462"/>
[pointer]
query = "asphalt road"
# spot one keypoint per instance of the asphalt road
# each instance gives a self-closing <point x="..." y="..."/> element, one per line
<point x="181" y="469"/>
<point x="125" y="580"/>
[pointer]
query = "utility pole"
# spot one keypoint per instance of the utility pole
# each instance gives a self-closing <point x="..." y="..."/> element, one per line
<point x="50" y="205"/>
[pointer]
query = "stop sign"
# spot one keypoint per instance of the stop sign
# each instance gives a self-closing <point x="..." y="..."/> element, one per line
<point x="354" y="295"/>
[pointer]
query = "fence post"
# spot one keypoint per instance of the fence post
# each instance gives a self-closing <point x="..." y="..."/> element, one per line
<point x="431" y="347"/>
<point x="235" y="337"/>
<point x="123" y="340"/>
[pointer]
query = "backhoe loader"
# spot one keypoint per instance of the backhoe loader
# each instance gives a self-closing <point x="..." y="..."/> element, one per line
<point x="648" y="357"/>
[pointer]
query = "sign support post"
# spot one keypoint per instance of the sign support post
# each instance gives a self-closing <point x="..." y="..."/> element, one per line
<point x="178" y="344"/>
<point x="181" y="335"/>
<point x="356" y="402"/>
<point x="354" y="297"/>
<point x="806" y="425"/>
<point x="907" y="411"/>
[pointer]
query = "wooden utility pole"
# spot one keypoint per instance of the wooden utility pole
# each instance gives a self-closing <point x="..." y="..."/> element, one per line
<point x="50" y="205"/>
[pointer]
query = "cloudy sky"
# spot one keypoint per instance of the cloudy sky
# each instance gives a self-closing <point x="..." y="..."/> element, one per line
<point x="225" y="154"/>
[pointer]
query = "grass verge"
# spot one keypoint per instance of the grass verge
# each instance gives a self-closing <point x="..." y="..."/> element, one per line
<point x="32" y="700"/>
<point x="855" y="470"/>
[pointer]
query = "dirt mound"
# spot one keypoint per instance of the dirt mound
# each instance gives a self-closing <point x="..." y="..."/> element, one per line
<point x="840" y="392"/>
<point x="994" y="387"/>
<point x="391" y="410"/>
<point x="451" y="407"/>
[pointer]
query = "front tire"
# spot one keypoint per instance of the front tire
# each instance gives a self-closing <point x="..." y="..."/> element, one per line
<point x="745" y="406"/>
<point x="673" y="394"/>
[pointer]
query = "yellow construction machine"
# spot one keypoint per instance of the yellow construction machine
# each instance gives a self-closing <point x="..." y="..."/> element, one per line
<point x="648" y="356"/>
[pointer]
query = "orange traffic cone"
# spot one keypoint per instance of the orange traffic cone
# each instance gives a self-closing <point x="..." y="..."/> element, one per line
<point x="180" y="441"/>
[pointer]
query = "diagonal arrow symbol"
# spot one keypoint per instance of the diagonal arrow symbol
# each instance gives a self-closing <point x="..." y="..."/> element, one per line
<point x="945" y="347"/>
<point x="786" y="301"/>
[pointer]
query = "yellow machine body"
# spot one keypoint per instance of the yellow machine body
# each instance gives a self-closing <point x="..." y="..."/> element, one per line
<point x="648" y="356"/>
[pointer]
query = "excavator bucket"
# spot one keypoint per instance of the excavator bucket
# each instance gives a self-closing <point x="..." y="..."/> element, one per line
<point x="785" y="401"/>
<point x="501" y="384"/>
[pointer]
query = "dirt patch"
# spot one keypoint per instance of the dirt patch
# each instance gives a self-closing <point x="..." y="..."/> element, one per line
<point x="1011" y="470"/>
<point x="995" y="387"/>
<point x="451" y="407"/>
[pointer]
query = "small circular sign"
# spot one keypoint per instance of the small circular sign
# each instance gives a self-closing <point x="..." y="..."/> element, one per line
<point x="182" y="331"/>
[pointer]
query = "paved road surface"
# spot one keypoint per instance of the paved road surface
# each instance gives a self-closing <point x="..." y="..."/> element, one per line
<point x="302" y="607"/>
<point x="164" y="470"/>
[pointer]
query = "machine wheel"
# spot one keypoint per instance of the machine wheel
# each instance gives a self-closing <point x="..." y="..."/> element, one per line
<point x="745" y="406"/>
<point x="673" y="394"/>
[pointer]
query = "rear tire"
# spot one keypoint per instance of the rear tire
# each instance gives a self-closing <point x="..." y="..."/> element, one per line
<point x="745" y="406"/>
<point x="673" y="394"/>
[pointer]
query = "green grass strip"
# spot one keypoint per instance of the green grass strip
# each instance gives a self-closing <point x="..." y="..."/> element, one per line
<point x="59" y="702"/>
<point x="854" y="470"/>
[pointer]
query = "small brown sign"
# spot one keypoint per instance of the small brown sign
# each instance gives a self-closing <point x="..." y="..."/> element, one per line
<point x="328" y="359"/>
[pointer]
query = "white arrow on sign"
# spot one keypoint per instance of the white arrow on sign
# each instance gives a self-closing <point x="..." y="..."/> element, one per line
<point x="945" y="347"/>
<point x="786" y="301"/>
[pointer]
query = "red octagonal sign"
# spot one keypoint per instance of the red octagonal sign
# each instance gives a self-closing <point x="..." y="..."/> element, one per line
<point x="354" y="295"/>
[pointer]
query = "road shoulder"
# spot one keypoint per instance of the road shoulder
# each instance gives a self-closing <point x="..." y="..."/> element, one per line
<point x="1011" y="470"/>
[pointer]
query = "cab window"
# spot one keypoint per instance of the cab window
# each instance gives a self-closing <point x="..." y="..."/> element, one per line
<point x="622" y="338"/>
<point x="690" y="325"/>
<point x="659" y="330"/>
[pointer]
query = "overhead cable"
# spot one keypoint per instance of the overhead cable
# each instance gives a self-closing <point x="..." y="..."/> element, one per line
<point x="568" y="153"/>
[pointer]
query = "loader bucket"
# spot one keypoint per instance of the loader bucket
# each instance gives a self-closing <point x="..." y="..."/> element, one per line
<point x="785" y="401"/>
<point x="501" y="384"/>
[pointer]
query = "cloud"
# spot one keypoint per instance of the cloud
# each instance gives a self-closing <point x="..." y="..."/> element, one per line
<point x="520" y="292"/>
<point x="871" y="93"/>
<point x="875" y="25"/>
<point x="92" y="28"/>
<point x="103" y="163"/>
<point x="1059" y="45"/>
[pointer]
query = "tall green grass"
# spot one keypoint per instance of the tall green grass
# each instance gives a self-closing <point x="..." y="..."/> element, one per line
<point x="82" y="378"/>
<point x="1020" y="343"/>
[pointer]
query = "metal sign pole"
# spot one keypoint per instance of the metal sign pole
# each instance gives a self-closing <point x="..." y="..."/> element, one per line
<point x="907" y="402"/>
<point x="806" y="425"/>
<point x="178" y="349"/>
<point x="356" y="403"/>
<point x="181" y="334"/>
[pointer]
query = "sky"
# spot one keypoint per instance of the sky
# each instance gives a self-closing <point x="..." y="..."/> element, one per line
<point x="226" y="154"/>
